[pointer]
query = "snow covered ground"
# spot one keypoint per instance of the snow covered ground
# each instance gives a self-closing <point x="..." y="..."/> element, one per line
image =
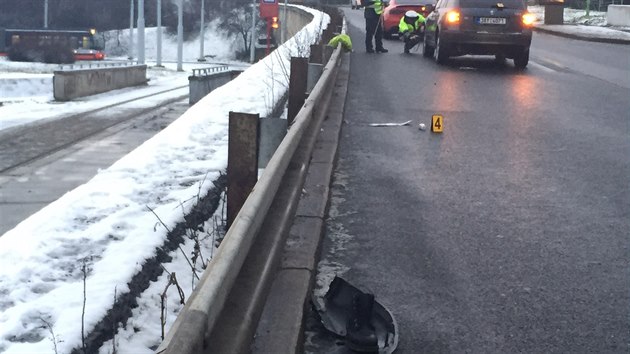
<point x="97" y="236"/>
<point x="26" y="88"/>
<point x="576" y="23"/>
<point x="105" y="224"/>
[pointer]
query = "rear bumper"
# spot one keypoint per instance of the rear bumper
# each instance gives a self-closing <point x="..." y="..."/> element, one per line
<point x="390" y="26"/>
<point x="484" y="42"/>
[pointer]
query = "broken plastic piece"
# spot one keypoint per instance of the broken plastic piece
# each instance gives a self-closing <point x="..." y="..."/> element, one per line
<point x="389" y="124"/>
<point x="360" y="334"/>
<point x="343" y="304"/>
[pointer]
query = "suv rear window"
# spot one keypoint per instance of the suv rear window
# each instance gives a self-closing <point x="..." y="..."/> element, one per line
<point x="508" y="4"/>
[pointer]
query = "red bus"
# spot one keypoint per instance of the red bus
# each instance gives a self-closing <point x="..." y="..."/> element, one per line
<point x="33" y="44"/>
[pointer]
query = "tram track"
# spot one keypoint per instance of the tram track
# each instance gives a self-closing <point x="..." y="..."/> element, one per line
<point x="25" y="144"/>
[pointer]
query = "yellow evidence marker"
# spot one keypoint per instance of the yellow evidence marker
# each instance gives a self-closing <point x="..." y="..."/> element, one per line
<point x="437" y="123"/>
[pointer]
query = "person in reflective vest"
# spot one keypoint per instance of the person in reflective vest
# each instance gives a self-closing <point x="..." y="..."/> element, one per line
<point x="374" y="25"/>
<point x="411" y="29"/>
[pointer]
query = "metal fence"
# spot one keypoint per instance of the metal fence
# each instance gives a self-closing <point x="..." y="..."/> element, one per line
<point x="208" y="71"/>
<point x="95" y="65"/>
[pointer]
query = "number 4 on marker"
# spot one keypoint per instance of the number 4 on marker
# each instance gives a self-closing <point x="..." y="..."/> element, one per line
<point x="437" y="122"/>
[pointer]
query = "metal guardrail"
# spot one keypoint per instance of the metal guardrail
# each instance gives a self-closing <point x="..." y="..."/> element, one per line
<point x="195" y="72"/>
<point x="201" y="312"/>
<point x="95" y="65"/>
<point x="208" y="71"/>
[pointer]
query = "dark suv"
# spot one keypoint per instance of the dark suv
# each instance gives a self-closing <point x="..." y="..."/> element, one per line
<point x="480" y="27"/>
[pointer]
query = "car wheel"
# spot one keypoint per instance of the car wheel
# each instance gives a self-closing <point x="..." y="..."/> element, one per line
<point x="439" y="52"/>
<point x="427" y="50"/>
<point x="521" y="59"/>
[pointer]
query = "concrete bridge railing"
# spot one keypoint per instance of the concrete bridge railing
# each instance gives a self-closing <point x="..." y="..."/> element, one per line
<point x="75" y="83"/>
<point x="204" y="81"/>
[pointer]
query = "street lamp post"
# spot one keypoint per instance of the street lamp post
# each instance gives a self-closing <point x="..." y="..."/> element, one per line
<point x="45" y="13"/>
<point x="251" y="42"/>
<point x="140" y="31"/>
<point x="130" y="50"/>
<point x="201" y="34"/>
<point x="180" y="35"/>
<point x="159" y="33"/>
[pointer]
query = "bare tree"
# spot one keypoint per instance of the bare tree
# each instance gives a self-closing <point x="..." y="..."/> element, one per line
<point x="237" y="21"/>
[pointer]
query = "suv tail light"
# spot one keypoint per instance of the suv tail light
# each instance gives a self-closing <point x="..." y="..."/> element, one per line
<point x="452" y="17"/>
<point x="528" y="19"/>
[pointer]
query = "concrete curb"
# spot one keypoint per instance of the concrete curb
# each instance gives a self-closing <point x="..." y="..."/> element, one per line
<point x="583" y="37"/>
<point x="281" y="326"/>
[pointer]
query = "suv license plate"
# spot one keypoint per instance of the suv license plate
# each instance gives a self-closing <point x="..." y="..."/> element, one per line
<point x="491" y="20"/>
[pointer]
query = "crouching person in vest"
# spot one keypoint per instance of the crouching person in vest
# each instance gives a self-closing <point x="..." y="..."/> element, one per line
<point x="411" y="29"/>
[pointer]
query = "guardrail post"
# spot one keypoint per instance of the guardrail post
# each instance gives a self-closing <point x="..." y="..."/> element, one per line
<point x="328" y="51"/>
<point x="315" y="66"/>
<point x="242" y="169"/>
<point x="297" y="87"/>
<point x="328" y="34"/>
<point x="272" y="131"/>
<point x="314" y="72"/>
<point x="317" y="54"/>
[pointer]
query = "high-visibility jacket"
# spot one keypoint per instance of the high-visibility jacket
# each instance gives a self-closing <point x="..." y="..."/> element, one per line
<point x="377" y="5"/>
<point x="344" y="39"/>
<point x="403" y="26"/>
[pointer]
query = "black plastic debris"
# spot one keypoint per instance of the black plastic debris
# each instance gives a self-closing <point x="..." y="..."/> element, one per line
<point x="348" y="312"/>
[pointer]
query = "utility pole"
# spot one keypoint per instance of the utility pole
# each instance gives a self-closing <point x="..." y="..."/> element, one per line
<point x="140" y="31"/>
<point x="45" y="13"/>
<point x="201" y="34"/>
<point x="251" y="42"/>
<point x="180" y="34"/>
<point x="159" y="33"/>
<point x="130" y="49"/>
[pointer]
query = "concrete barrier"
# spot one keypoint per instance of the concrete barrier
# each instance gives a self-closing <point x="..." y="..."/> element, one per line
<point x="70" y="84"/>
<point x="296" y="20"/>
<point x="204" y="81"/>
<point x="618" y="15"/>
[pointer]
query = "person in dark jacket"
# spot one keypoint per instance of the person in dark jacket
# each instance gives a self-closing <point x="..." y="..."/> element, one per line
<point x="374" y="25"/>
<point x="411" y="28"/>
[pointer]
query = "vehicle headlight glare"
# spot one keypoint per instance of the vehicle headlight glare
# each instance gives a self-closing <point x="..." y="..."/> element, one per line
<point x="528" y="19"/>
<point x="452" y="17"/>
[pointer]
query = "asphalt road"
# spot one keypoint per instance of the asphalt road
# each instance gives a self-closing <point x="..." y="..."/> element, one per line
<point x="605" y="61"/>
<point x="506" y="233"/>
